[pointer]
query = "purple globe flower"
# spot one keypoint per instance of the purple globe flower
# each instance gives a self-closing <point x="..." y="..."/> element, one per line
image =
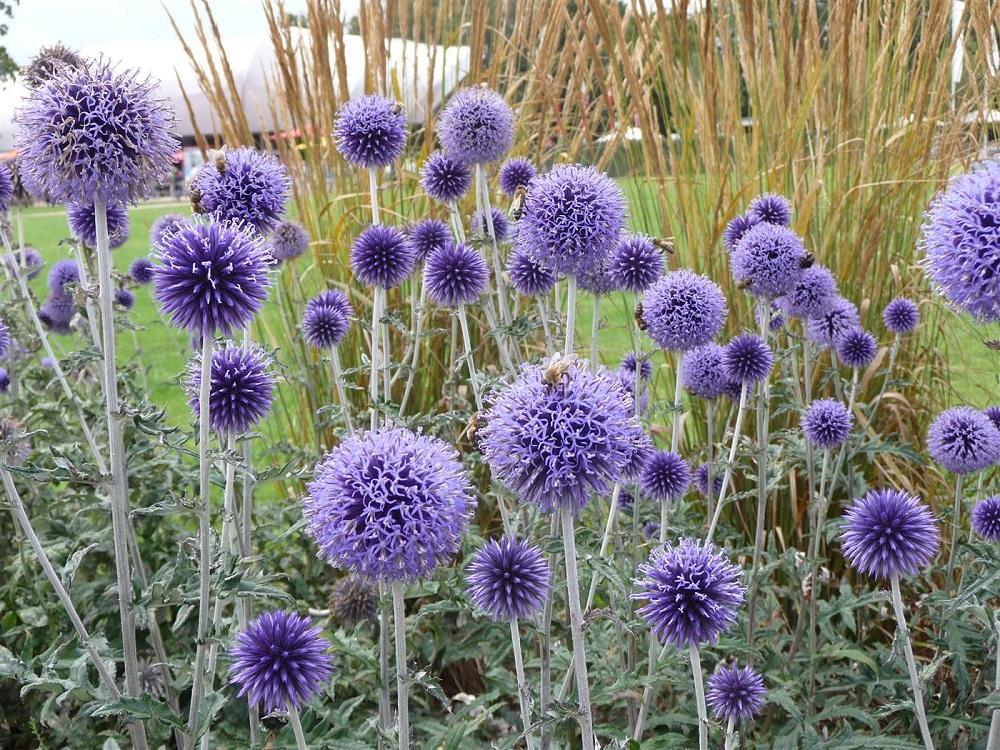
<point x="901" y="316"/>
<point x="289" y="240"/>
<point x="142" y="271"/>
<point x="4" y="380"/>
<point x="94" y="134"/>
<point x="702" y="373"/>
<point x="771" y="208"/>
<point x="124" y="298"/>
<point x="735" y="694"/>
<point x="445" y="178"/>
<point x="57" y="312"/>
<point x="631" y="365"/>
<point x="701" y="480"/>
<point x="5" y="340"/>
<point x="501" y="227"/>
<point x="211" y="277"/>
<point x="813" y="295"/>
<point x="986" y="518"/>
<point x="962" y="242"/>
<point x="768" y="260"/>
<point x="993" y="413"/>
<point x="827" y="329"/>
<point x="48" y="363"/>
<point x="63" y="272"/>
<point x="455" y="275"/>
<point x="826" y="423"/>
<point x="856" y="348"/>
<point x="625" y="500"/>
<point x="427" y="236"/>
<point x="382" y="256"/>
<point x="32" y="261"/>
<point x="476" y="126"/>
<point x="553" y="444"/>
<point x="244" y="185"/>
<point x="573" y="216"/>
<point x="651" y="531"/>
<point x="733" y="390"/>
<point x="665" y="476"/>
<point x="597" y="279"/>
<point x="241" y="389"/>
<point x="6" y="187"/>
<point x="683" y="310"/>
<point x="327" y="319"/>
<point x="736" y="228"/>
<point x="280" y="661"/>
<point x="888" y="533"/>
<point x="370" y="131"/>
<point x="508" y="579"/>
<point x="389" y="505"/>
<point x="49" y="61"/>
<point x="352" y="602"/>
<point x="626" y="380"/>
<point x="636" y="263"/>
<point x="83" y="225"/>
<point x="516" y="173"/>
<point x="963" y="440"/>
<point x="691" y="592"/>
<point x="747" y="359"/>
<point x="529" y="277"/>
<point x="165" y="225"/>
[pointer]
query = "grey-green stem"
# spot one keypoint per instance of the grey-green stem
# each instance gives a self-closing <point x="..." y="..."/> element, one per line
<point x="570" y="315"/>
<point x="699" y="696"/>
<point x="300" y="737"/>
<point x="576" y="629"/>
<point x="911" y="664"/>
<point x="338" y="384"/>
<point x="402" y="686"/>
<point x="727" y="476"/>
<point x="524" y="697"/>
<point x="956" y="524"/>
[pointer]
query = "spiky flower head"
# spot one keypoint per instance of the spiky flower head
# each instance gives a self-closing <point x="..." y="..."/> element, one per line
<point x="768" y="260"/>
<point x="141" y="271"/>
<point x="27" y="258"/>
<point x="813" y="294"/>
<point x="747" y="359"/>
<point x="702" y="372"/>
<point x="573" y="216"/>
<point x="501" y="227"/>
<point x="993" y="412"/>
<point x="57" y="312"/>
<point x="83" y="224"/>
<point x="426" y="236"/>
<point x="736" y="228"/>
<point x="735" y="694"/>
<point x="827" y="329"/>
<point x="94" y="134"/>
<point x="701" y="480"/>
<point x="4" y="380"/>
<point x="963" y="440"/>
<point x="529" y="277"/>
<point x="597" y="279"/>
<point x="508" y="579"/>
<point x="626" y="380"/>
<point x="15" y="446"/>
<point x="691" y="592"/>
<point x="5" y="340"/>
<point x="771" y="208"/>
<point x="165" y="225"/>
<point x="901" y="316"/>
<point x="683" y="310"/>
<point x="63" y="273"/>
<point x="665" y="476"/>
<point x="124" y="298"/>
<point x="370" y="131"/>
<point x="888" y="532"/>
<point x="382" y="256"/>
<point x="826" y="422"/>
<point x="280" y="661"/>
<point x="643" y="366"/>
<point x="986" y="518"/>
<point x="445" y="178"/>
<point x="962" y="242"/>
<point x="455" y="275"/>
<point x="245" y="185"/>
<point x="476" y="126"/>
<point x="289" y="240"/>
<point x="6" y="188"/>
<point x="636" y="263"/>
<point x="327" y="319"/>
<point x="516" y="173"/>
<point x="241" y="389"/>
<point x="48" y="62"/>
<point x="856" y="348"/>
<point x="389" y="505"/>
<point x="352" y="602"/>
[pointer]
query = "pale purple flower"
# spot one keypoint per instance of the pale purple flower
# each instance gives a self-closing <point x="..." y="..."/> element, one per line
<point x="327" y="319"/>
<point x="370" y="131"/>
<point x="83" y="224"/>
<point x="455" y="275"/>
<point x="244" y="185"/>
<point x="963" y="440"/>
<point x="736" y="228"/>
<point x="289" y="240"/>
<point x="888" y="533"/>
<point x="445" y="178"/>
<point x="901" y="316"/>
<point x="813" y="295"/>
<point x="826" y="423"/>
<point x="241" y="390"/>
<point x="827" y="329"/>
<point x="856" y="348"/>
<point x="771" y="208"/>
<point x="665" y="476"/>
<point x="476" y="126"/>
<point x="516" y="173"/>
<point x="747" y="359"/>
<point x="529" y="277"/>
<point x="683" y="310"/>
<point x="142" y="271"/>
<point x="986" y="518"/>
<point x="702" y="372"/>
<point x="768" y="260"/>
<point x="426" y="236"/>
<point x="636" y="263"/>
<point x="382" y="256"/>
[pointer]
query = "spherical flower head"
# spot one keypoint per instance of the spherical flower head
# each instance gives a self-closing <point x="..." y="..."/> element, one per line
<point x="382" y="256"/>
<point x="626" y="381"/>
<point x="6" y="188"/>
<point x="427" y="236"/>
<point x="212" y="277"/>
<point x="963" y="440"/>
<point x="289" y="240"/>
<point x="887" y="533"/>
<point x="747" y="359"/>
<point x="683" y="310"/>
<point x="644" y="367"/>
<point x="245" y="185"/>
<point x="827" y="329"/>
<point x="665" y="477"/>
<point x="241" y="389"/>
<point x="636" y="263"/>
<point x="856" y="348"/>
<point x="901" y="316"/>
<point x="735" y="694"/>
<point x="327" y="319"/>
<point x="32" y="261"/>
<point x="813" y="294"/>
<point x="560" y="432"/>
<point x="961" y="240"/>
<point x="771" y="208"/>
<point x="370" y="131"/>
<point x="57" y="312"/>
<point x="141" y="271"/>
<point x="5" y="340"/>
<point x="389" y="504"/>
<point x="597" y="279"/>
<point x="986" y="518"/>
<point x="701" y="480"/>
<point x="702" y="373"/>
<point x="476" y="126"/>
<point x="826" y="423"/>
<point x="501" y="227"/>
<point x="15" y="446"/>
<point x="63" y="273"/>
<point x="352" y="602"/>
<point x="94" y="134"/>
<point x="83" y="224"/>
<point x="455" y="275"/>
<point x="736" y="228"/>
<point x="529" y="277"/>
<point x="508" y="579"/>
<point x="768" y="260"/>
<point x="4" y="380"/>
<point x="573" y="216"/>
<point x="993" y="412"/>
<point x="516" y="173"/>
<point x="124" y="298"/>
<point x="165" y="225"/>
<point x="691" y="592"/>
<point x="48" y="363"/>
<point x="651" y="531"/>
<point x="280" y="661"/>
<point x="49" y="61"/>
<point x="445" y="178"/>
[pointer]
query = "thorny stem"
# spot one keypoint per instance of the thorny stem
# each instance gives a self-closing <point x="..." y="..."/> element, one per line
<point x="911" y="665"/>
<point x="524" y="696"/>
<point x="576" y="629"/>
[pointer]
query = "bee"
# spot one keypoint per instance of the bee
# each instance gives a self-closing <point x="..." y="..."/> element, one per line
<point x="745" y="283"/>
<point x="398" y="109"/>
<point x="194" y="193"/>
<point x="639" y="320"/>
<point x="517" y="203"/>
<point x="217" y="157"/>
<point x="808" y="261"/>
<point x="557" y="368"/>
<point x="477" y="421"/>
<point x="993" y="344"/>
<point x="664" y="244"/>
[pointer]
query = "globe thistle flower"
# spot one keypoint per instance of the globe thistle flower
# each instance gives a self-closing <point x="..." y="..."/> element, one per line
<point x="986" y="518"/>
<point x="48" y="363"/>
<point x="735" y="694"/>
<point x="961" y="243"/>
<point x="476" y="126"/>
<point x="48" y="62"/>
<point x="572" y="218"/>
<point x="516" y="173"/>
<point x="6" y="188"/>
<point x="352" y="602"/>
<point x="768" y="260"/>
<point x="597" y="279"/>
<point x="245" y="185"/>
<point x="626" y="381"/>
<point x="370" y="131"/>
<point x="632" y="365"/>
<point x="94" y="134"/>
<point x="33" y="261"/>
<point x="508" y="579"/>
<point x="856" y="348"/>
<point x="636" y="263"/>
<point x="702" y="373"/>
<point x="993" y="413"/>
<point x="57" y="312"/>
<point x="427" y="236"/>
<point x="963" y="440"/>
<point x="327" y="319"/>
<point x="501" y="227"/>
<point x="901" y="316"/>
<point x="164" y="226"/>
<point x="241" y="389"/>
<point x="15" y="447"/>
<point x="5" y="340"/>
<point x="691" y="592"/>
<point x="445" y="178"/>
<point x="827" y="329"/>
<point x="62" y="273"/>
<point x="152" y="679"/>
<point x="701" y="481"/>
<point x="736" y="228"/>
<point x="381" y="256"/>
<point x="771" y="208"/>
<point x="83" y="224"/>
<point x="280" y="661"/>
<point x="683" y="310"/>
<point x="665" y="477"/>
<point x="142" y="271"/>
<point x="888" y="533"/>
<point x="211" y="277"/>
<point x="124" y="298"/>
<point x="747" y="359"/>
<point x="4" y="380"/>
<point x="289" y="240"/>
<point x="529" y="277"/>
<point x="455" y="275"/>
<point x="826" y="423"/>
<point x="651" y="530"/>
<point x="813" y="295"/>
<point x="554" y="443"/>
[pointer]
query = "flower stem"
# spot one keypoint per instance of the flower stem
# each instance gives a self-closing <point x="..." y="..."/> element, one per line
<point x="402" y="698"/>
<point x="300" y="737"/>
<point x="375" y="336"/>
<point x="730" y="734"/>
<point x="710" y="458"/>
<point x="911" y="665"/>
<point x="740" y="411"/>
<point x="373" y="195"/>
<point x="595" y="327"/>
<point x="956" y="523"/>
<point x="576" y="625"/>
<point x="699" y="697"/>
<point x="338" y="383"/>
<point x="463" y="321"/>
<point x="647" y="699"/>
<point x="384" y="704"/>
<point x="543" y="314"/>
<point x="819" y="513"/>
<point x="763" y="429"/>
<point x="545" y="648"/>
<point x="418" y="335"/>
<point x="993" y="741"/>
<point x="675" y="439"/>
<point x="522" y="685"/>
<point x="484" y="192"/>
<point x="570" y="315"/>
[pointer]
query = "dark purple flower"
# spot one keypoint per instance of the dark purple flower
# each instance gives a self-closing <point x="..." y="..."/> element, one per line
<point x="834" y="323"/>
<point x="735" y="694"/>
<point x="768" y="260"/>
<point x="813" y="295"/>
<point x="986" y="518"/>
<point x="427" y="236"/>
<point x="963" y="440"/>
<point x="244" y="185"/>
<point x="47" y="62"/>
<point x="6" y="187"/>
<point x="702" y="373"/>
<point x="4" y="380"/>
<point x="83" y="224"/>
<point x="124" y="298"/>
<point x="771" y="208"/>
<point x="444" y="178"/>
<point x="501" y="227"/>
<point x="33" y="261"/>
<point x="683" y="310"/>
<point x="508" y="579"/>
<point x="381" y="256"/>
<point x="856" y="348"/>
<point x="597" y="279"/>
<point x="631" y="364"/>
<point x="516" y="173"/>
<point x="651" y="531"/>
<point x="63" y="272"/>
<point x="625" y="500"/>
<point x="529" y="277"/>
<point x="455" y="275"/>
<point x="5" y="340"/>
<point x="888" y="532"/>
<point x="327" y="319"/>
<point x="701" y="480"/>
<point x="165" y="225"/>
<point x="747" y="358"/>
<point x="57" y="312"/>
<point x="636" y="263"/>
<point x="826" y="423"/>
<point x="736" y="228"/>
<point x="289" y="240"/>
<point x="141" y="271"/>
<point x="241" y="391"/>
<point x="691" y="592"/>
<point x="389" y="505"/>
<point x="476" y="126"/>
<point x="280" y="661"/>
<point x="370" y="131"/>
<point x="901" y="316"/>
<point x="993" y="412"/>
<point x="665" y="476"/>
<point x="352" y="602"/>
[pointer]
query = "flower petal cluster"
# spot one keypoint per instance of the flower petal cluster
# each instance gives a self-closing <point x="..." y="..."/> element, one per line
<point x="747" y="359"/>
<point x="516" y="173"/>
<point x="289" y="240"/>
<point x="856" y="348"/>
<point x="827" y="329"/>
<point x="241" y="390"/>
<point x="901" y="316"/>
<point x="382" y="256"/>
<point x="683" y="310"/>
<point x="963" y="440"/>
<point x="888" y="532"/>
<point x="327" y="319"/>
<point x="445" y="178"/>
<point x="735" y="694"/>
<point x="768" y="260"/>
<point x="352" y="602"/>
<point x="165" y="225"/>
<point x="83" y="224"/>
<point x="508" y="579"/>
<point x="826" y="423"/>
<point x="636" y="263"/>
<point x="665" y="476"/>
<point x="141" y="271"/>
<point x="986" y="518"/>
<point x="244" y="185"/>
<point x="813" y="295"/>
<point x="529" y="277"/>
<point x="702" y="373"/>
<point x="455" y="275"/>
<point x="370" y="131"/>
<point x="426" y="236"/>
<point x="771" y="208"/>
<point x="476" y="126"/>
